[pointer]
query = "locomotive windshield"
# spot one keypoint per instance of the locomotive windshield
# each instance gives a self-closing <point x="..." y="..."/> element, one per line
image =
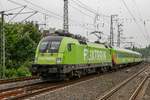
<point x="43" y="46"/>
<point x="50" y="44"/>
<point x="53" y="46"/>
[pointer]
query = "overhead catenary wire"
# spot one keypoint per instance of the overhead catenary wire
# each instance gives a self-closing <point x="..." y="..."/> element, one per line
<point x="82" y="6"/>
<point x="134" y="19"/>
<point x="47" y="14"/>
<point x="15" y="8"/>
<point x="81" y="11"/>
<point x="22" y="13"/>
<point x="17" y="14"/>
<point x="27" y="1"/>
<point x="87" y="8"/>
<point x="139" y="13"/>
<point x="30" y="16"/>
<point x="78" y="23"/>
<point x="85" y="25"/>
<point x="141" y="16"/>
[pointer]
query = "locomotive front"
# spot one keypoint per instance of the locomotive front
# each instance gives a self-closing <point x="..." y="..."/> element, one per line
<point x="48" y="58"/>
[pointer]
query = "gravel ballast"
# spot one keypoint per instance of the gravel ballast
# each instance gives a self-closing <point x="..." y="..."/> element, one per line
<point x="89" y="89"/>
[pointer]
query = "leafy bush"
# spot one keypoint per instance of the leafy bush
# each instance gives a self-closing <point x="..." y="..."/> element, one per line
<point x="21" y="42"/>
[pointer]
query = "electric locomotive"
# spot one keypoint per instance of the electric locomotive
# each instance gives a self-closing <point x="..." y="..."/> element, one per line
<point x="63" y="56"/>
<point x="66" y="56"/>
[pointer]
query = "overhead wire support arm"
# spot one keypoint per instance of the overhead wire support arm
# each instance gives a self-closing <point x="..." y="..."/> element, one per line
<point x="82" y="5"/>
<point x="15" y="8"/>
<point x="35" y="5"/>
<point x="17" y="13"/>
<point x="43" y="10"/>
<point x="22" y="13"/>
<point x="48" y="14"/>
<point x="30" y="16"/>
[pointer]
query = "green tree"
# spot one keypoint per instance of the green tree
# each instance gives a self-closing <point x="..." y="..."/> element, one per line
<point x="21" y="42"/>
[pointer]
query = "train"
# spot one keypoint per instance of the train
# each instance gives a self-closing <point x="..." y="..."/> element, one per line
<point x="65" y="56"/>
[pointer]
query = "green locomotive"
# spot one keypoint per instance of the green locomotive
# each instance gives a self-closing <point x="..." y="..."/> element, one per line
<point x="60" y="57"/>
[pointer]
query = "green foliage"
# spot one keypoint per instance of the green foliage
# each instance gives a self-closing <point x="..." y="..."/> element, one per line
<point x="23" y="71"/>
<point x="11" y="73"/>
<point x="21" y="42"/>
<point x="144" y="51"/>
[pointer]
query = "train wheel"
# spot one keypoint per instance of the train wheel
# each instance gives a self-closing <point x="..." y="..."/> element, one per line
<point x="98" y="70"/>
<point x="77" y="74"/>
<point x="104" y="69"/>
<point x="70" y="75"/>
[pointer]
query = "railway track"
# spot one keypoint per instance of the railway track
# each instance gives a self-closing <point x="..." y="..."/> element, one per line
<point x="4" y="81"/>
<point x="31" y="90"/>
<point x="137" y="95"/>
<point x="21" y="91"/>
<point x="113" y="93"/>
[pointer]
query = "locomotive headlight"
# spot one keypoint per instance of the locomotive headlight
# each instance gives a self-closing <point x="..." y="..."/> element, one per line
<point x="58" y="60"/>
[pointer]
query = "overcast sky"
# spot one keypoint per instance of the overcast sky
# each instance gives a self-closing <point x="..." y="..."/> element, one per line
<point x="82" y="23"/>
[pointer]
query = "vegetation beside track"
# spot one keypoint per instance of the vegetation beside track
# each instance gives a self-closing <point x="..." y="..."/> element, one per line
<point x="144" y="51"/>
<point x="21" y="43"/>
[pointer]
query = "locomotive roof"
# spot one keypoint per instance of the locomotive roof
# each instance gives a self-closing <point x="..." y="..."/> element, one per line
<point x="95" y="45"/>
<point x="53" y="38"/>
<point x="48" y="38"/>
<point x="127" y="50"/>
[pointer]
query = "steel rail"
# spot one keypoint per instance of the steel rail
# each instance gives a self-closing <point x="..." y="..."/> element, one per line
<point x="138" y="89"/>
<point x="17" y="79"/>
<point x="116" y="88"/>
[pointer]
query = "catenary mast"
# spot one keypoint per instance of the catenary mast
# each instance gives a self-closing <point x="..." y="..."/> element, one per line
<point x="65" y="23"/>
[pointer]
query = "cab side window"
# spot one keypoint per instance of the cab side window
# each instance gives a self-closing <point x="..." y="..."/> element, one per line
<point x="69" y="46"/>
